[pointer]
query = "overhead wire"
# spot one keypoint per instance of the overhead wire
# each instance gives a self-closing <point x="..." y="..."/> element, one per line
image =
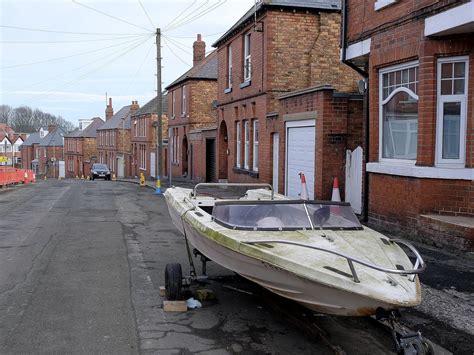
<point x="139" y="68"/>
<point x="84" y="65"/>
<point x="146" y="14"/>
<point x="69" y="41"/>
<point x="71" y="56"/>
<point x="185" y="17"/>
<point x="179" y="45"/>
<point x="198" y="15"/>
<point x="71" y="33"/>
<point x="123" y="52"/>
<point x="175" y="54"/>
<point x="108" y="15"/>
<point x="204" y="35"/>
<point x="180" y="14"/>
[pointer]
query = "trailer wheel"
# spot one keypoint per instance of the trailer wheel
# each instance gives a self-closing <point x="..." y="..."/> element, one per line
<point x="173" y="281"/>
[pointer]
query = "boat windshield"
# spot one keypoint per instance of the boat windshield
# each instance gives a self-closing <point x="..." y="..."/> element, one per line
<point x="285" y="215"/>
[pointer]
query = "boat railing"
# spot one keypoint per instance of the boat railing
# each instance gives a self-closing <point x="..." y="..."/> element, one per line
<point x="418" y="267"/>
<point x="221" y="184"/>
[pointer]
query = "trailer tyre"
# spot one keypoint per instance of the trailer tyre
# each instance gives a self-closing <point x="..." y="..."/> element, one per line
<point x="173" y="281"/>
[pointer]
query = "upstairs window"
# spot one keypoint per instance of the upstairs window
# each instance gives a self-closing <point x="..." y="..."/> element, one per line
<point x="247" y="58"/>
<point x="399" y="112"/>
<point x="229" y="67"/>
<point x="173" y="104"/>
<point x="183" y="101"/>
<point x="451" y="111"/>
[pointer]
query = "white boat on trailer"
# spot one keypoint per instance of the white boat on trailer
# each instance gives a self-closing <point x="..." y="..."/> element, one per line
<point x="313" y="252"/>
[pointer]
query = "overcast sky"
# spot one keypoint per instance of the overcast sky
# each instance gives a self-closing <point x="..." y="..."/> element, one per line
<point x="69" y="74"/>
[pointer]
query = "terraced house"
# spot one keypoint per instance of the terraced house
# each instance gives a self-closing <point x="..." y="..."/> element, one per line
<point x="144" y="124"/>
<point x="285" y="101"/>
<point x="417" y="57"/>
<point x="80" y="149"/>
<point x="192" y="118"/>
<point x="113" y="139"/>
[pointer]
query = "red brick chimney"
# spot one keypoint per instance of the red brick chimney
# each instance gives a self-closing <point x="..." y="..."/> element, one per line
<point x="109" y="110"/>
<point x="134" y="107"/>
<point x="199" y="50"/>
<point x="51" y="127"/>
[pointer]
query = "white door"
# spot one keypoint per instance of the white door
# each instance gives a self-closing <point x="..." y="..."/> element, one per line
<point x="300" y="156"/>
<point x="353" y="191"/>
<point x="276" y="147"/>
<point x="62" y="169"/>
<point x="120" y="167"/>
<point x="152" y="164"/>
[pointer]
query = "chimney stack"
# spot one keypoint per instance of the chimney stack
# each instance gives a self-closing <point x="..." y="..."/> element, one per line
<point x="134" y="107"/>
<point x="109" y="111"/>
<point x="199" y="50"/>
<point x="51" y="127"/>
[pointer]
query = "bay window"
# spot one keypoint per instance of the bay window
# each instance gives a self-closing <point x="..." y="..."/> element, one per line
<point x="247" y="58"/>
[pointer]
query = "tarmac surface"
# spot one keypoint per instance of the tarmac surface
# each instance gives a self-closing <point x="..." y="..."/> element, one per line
<point x="81" y="263"/>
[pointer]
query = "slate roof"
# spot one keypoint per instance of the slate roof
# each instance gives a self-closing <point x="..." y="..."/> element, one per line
<point x="54" y="138"/>
<point x="206" y="69"/>
<point x="90" y="131"/>
<point x="150" y="106"/>
<point x="334" y="5"/>
<point x="116" y="120"/>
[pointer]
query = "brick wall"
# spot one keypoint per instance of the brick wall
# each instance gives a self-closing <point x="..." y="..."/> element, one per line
<point x="297" y="49"/>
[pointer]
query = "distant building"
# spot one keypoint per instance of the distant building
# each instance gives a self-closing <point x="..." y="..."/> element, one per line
<point x="80" y="149"/>
<point x="113" y="139"/>
<point x="51" y="152"/>
<point x="10" y="143"/>
<point x="143" y="139"/>
<point x="30" y="152"/>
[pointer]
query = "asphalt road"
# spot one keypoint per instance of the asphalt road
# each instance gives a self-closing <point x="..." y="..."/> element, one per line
<point x="81" y="263"/>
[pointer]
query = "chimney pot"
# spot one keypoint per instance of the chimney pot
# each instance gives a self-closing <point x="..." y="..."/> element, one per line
<point x="109" y="110"/>
<point x="199" y="50"/>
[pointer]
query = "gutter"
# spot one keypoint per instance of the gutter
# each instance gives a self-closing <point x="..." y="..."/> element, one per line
<point x="365" y="75"/>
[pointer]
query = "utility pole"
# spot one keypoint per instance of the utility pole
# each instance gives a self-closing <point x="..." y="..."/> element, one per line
<point x="159" y="133"/>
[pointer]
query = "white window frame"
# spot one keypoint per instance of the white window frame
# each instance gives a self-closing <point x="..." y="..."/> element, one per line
<point x="246" y="144"/>
<point x="173" y="104"/>
<point x="383" y="102"/>
<point x="238" y="137"/>
<point x="247" y="57"/>
<point x="255" y="145"/>
<point x="229" y="67"/>
<point x="183" y="101"/>
<point x="441" y="100"/>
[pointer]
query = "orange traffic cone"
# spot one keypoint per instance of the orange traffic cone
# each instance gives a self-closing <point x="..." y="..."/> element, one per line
<point x="304" y="189"/>
<point x="336" y="196"/>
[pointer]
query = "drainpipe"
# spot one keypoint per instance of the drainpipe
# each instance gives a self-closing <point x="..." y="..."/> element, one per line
<point x="365" y="75"/>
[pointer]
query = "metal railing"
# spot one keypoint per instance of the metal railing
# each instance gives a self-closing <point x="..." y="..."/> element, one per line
<point x="218" y="184"/>
<point x="419" y="266"/>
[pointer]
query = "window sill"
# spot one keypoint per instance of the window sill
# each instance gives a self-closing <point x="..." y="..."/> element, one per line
<point x="425" y="172"/>
<point x="250" y="173"/>
<point x="245" y="84"/>
<point x="228" y="90"/>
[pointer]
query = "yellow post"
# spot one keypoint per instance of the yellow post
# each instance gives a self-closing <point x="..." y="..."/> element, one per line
<point x="82" y="177"/>
<point x="113" y="177"/>
<point x="45" y="177"/>
<point x="88" y="177"/>
<point x="142" y="179"/>
<point x="77" y="177"/>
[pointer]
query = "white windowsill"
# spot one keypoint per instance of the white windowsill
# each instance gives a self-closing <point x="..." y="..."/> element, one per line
<point x="428" y="172"/>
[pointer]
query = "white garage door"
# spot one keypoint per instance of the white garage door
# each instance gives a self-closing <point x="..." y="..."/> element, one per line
<point x="300" y="148"/>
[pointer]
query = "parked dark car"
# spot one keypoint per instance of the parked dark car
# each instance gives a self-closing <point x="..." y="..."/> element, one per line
<point x="100" y="171"/>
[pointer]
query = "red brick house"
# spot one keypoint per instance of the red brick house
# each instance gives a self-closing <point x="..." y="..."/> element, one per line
<point x="51" y="152"/>
<point x="284" y="98"/>
<point x="113" y="139"/>
<point x="80" y="149"/>
<point x="143" y="139"/>
<point x="417" y="57"/>
<point x="192" y="118"/>
<point x="30" y="151"/>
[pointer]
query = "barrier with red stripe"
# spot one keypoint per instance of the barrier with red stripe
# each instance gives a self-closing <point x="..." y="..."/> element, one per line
<point x="12" y="176"/>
